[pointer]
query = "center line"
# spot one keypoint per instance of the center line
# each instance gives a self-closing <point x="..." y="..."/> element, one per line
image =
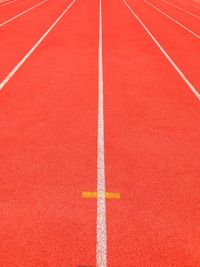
<point x="101" y="249"/>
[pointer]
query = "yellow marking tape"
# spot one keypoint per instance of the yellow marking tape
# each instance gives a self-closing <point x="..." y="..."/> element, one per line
<point x="108" y="195"/>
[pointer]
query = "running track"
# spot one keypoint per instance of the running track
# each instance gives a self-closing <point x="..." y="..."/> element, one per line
<point x="101" y="98"/>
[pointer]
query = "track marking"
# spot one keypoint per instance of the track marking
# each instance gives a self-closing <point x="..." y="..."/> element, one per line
<point x="8" y="3"/>
<point x="181" y="25"/>
<point x="184" y="10"/>
<point x="22" y="13"/>
<point x="193" y="89"/>
<point x="101" y="246"/>
<point x="30" y="52"/>
<point x="108" y="195"/>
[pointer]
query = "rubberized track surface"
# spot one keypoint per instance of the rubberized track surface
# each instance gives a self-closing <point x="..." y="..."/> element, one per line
<point x="49" y="130"/>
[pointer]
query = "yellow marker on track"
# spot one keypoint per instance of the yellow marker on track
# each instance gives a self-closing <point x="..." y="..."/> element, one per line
<point x="108" y="195"/>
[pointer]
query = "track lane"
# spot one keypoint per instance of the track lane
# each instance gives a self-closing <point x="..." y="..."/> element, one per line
<point x="191" y="22"/>
<point x="152" y="150"/>
<point x="181" y="46"/>
<point x="182" y="9"/>
<point x="6" y="12"/>
<point x="171" y="18"/>
<point x="19" y="36"/>
<point x="21" y="13"/>
<point x="49" y="149"/>
<point x="188" y="5"/>
<point x="34" y="47"/>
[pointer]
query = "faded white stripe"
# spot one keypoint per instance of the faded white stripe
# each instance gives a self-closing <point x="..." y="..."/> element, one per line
<point x="8" y="3"/>
<point x="101" y="249"/>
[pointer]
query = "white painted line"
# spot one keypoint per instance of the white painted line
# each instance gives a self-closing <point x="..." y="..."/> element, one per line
<point x="193" y="89"/>
<point x="22" y="13"/>
<point x="101" y="248"/>
<point x="184" y="10"/>
<point x="184" y="27"/>
<point x="8" y="3"/>
<point x="30" y="52"/>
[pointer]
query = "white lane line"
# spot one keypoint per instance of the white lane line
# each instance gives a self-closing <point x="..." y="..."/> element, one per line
<point x="101" y="247"/>
<point x="22" y="13"/>
<point x="22" y="61"/>
<point x="184" y="27"/>
<point x="8" y="3"/>
<point x="184" y="10"/>
<point x="193" y="89"/>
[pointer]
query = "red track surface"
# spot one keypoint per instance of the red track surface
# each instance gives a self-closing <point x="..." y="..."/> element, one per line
<point x="48" y="136"/>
